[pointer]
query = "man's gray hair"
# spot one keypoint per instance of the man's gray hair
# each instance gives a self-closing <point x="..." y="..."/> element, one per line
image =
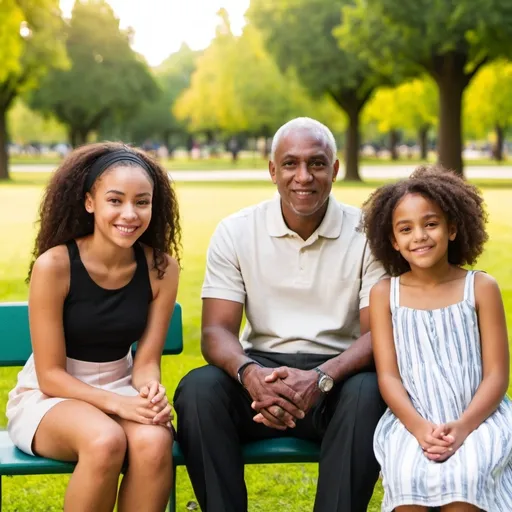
<point x="314" y="127"/>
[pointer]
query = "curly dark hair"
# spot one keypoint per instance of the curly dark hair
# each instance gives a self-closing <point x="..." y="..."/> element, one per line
<point x="63" y="217"/>
<point x="460" y="201"/>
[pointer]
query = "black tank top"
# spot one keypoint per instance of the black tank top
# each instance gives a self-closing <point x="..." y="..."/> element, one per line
<point x="100" y="325"/>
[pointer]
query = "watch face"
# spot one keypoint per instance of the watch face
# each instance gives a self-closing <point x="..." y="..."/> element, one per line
<point x="326" y="383"/>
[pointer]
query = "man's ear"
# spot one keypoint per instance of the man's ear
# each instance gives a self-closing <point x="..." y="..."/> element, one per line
<point x="336" y="168"/>
<point x="272" y="171"/>
<point x="89" y="203"/>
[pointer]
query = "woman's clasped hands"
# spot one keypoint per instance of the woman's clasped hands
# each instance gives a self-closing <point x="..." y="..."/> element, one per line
<point x="155" y="393"/>
<point x="150" y="406"/>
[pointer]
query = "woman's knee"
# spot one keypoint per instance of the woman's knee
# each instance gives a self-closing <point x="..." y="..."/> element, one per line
<point x="105" y="448"/>
<point x="150" y="445"/>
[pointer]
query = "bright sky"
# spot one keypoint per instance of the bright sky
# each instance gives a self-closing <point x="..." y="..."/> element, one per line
<point x="162" y="25"/>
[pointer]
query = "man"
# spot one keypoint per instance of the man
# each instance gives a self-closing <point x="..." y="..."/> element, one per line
<point x="303" y="271"/>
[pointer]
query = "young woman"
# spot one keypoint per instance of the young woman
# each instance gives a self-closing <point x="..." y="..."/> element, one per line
<point x="105" y="276"/>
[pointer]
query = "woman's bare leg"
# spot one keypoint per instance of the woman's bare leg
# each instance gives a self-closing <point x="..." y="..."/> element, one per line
<point x="76" y="431"/>
<point x="147" y="483"/>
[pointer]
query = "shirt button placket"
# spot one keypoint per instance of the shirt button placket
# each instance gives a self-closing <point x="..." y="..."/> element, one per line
<point x="302" y="257"/>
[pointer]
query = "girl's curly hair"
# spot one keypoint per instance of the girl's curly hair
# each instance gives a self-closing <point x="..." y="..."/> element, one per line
<point x="63" y="217"/>
<point x="460" y="201"/>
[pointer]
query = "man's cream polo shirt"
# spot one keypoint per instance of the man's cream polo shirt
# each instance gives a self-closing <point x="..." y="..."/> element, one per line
<point x="299" y="295"/>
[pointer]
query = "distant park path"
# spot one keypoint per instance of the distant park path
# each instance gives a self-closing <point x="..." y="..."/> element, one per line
<point x="366" y="172"/>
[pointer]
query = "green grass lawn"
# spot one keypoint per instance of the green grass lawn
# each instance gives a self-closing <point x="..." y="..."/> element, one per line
<point x="291" y="487"/>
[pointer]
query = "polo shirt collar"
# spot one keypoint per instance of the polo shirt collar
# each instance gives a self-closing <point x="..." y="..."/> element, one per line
<point x="276" y="225"/>
<point x="331" y="223"/>
<point x="329" y="228"/>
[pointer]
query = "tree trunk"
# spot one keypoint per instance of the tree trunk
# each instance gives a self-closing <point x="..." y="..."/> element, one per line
<point x="451" y="83"/>
<point x="4" y="156"/>
<point x="83" y="135"/>
<point x="73" y="137"/>
<point x="498" y="148"/>
<point x="351" y="102"/>
<point x="166" y="137"/>
<point x="265" y="149"/>
<point x="423" y="142"/>
<point x="352" y="144"/>
<point x="77" y="136"/>
<point x="393" y="143"/>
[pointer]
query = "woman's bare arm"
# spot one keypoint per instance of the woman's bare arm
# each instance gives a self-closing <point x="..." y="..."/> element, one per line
<point x="49" y="286"/>
<point x="146" y="366"/>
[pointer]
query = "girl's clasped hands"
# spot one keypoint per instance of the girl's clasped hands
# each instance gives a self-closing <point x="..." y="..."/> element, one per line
<point x="440" y="442"/>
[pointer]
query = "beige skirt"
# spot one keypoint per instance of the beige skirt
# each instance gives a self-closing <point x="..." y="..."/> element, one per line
<point x="27" y="405"/>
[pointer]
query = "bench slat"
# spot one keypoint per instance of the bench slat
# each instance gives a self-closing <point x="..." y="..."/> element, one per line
<point x="271" y="451"/>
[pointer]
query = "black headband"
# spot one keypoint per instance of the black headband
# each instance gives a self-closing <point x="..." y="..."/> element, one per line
<point x="108" y="159"/>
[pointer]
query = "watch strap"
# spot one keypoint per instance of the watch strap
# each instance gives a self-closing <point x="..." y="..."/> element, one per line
<point x="320" y="372"/>
<point x="241" y="370"/>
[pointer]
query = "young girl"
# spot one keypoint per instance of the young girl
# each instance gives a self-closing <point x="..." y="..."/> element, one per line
<point x="105" y="276"/>
<point x="441" y="350"/>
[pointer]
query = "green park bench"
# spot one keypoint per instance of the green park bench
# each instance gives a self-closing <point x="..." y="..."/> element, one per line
<point x="15" y="349"/>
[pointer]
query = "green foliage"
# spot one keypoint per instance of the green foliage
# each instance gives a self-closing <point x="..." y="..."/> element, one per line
<point x="31" y="43"/>
<point x="299" y="34"/>
<point x="11" y="42"/>
<point x="448" y="39"/>
<point x="154" y="119"/>
<point x="238" y="87"/>
<point x="204" y="105"/>
<point x="28" y="126"/>
<point x="411" y="106"/>
<point x="106" y="80"/>
<point x="488" y="100"/>
<point x="411" y="36"/>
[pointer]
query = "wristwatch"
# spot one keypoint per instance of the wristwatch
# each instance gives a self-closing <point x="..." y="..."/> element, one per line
<point x="241" y="370"/>
<point x="325" y="382"/>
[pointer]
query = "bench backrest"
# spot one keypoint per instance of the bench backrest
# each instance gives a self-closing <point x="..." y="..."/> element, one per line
<point x="15" y="346"/>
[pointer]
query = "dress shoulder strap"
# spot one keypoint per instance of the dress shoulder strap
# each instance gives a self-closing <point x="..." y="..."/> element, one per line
<point x="394" y="293"/>
<point x="469" y="287"/>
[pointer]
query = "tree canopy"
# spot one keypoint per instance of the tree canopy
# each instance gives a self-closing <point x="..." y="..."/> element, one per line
<point x="450" y="40"/>
<point x="27" y="126"/>
<point x="299" y="33"/>
<point x="31" y="43"/>
<point x="154" y="119"/>
<point x="107" y="79"/>
<point x="410" y="107"/>
<point x="11" y="19"/>
<point x="488" y="103"/>
<point x="238" y="88"/>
